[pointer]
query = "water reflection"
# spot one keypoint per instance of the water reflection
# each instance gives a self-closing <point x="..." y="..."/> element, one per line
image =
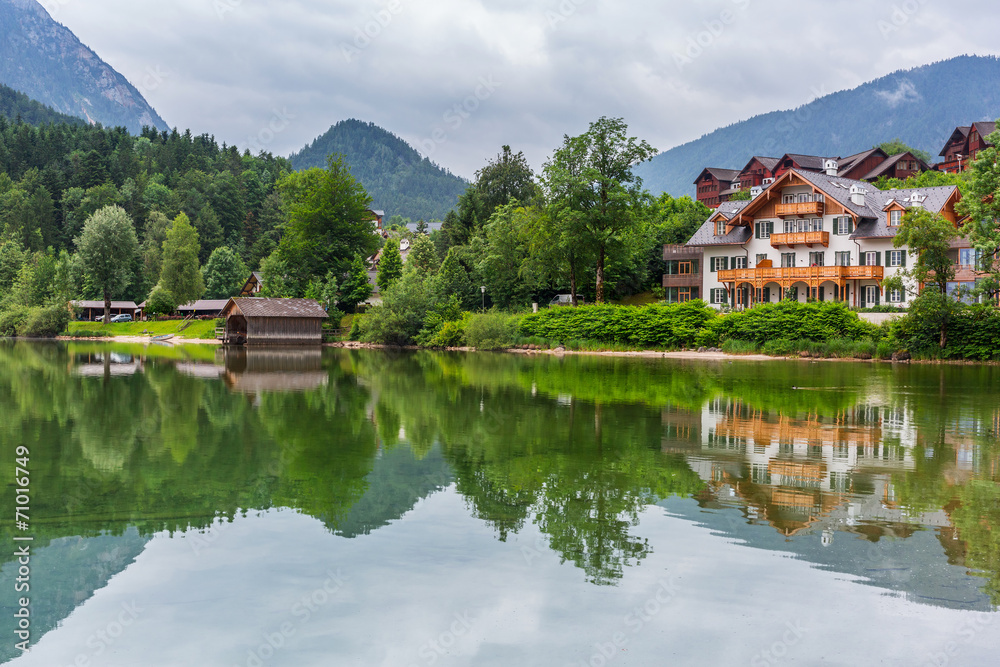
<point x="889" y="474"/>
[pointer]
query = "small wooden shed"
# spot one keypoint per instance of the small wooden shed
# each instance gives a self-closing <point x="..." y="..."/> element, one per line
<point x="261" y="321"/>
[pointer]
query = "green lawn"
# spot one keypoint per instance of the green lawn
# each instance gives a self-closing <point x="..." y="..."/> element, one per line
<point x="195" y="329"/>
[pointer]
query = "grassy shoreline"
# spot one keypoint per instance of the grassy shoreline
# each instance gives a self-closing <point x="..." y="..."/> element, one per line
<point x="194" y="329"/>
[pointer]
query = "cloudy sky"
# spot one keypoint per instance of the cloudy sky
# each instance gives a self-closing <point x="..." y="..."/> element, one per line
<point x="460" y="78"/>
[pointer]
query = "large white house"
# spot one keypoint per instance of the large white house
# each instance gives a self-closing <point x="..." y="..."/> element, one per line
<point x="816" y="236"/>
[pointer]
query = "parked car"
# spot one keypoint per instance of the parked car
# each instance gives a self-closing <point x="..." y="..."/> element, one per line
<point x="124" y="317"/>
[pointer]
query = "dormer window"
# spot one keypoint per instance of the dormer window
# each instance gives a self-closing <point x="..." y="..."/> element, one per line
<point x="720" y="228"/>
<point x="895" y="217"/>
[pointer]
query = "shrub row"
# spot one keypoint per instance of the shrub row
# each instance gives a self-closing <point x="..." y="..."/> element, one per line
<point x="661" y="325"/>
<point x="789" y="320"/>
<point x="36" y="322"/>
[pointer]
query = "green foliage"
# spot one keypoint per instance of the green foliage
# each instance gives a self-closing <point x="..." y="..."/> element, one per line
<point x="505" y="178"/>
<point x="591" y="186"/>
<point x="108" y="247"/>
<point x="423" y="256"/>
<point x="160" y="302"/>
<point x="328" y="223"/>
<point x="442" y="325"/>
<point x="400" y="316"/>
<point x="44" y="322"/>
<point x="355" y="288"/>
<point x="452" y="279"/>
<point x="13" y="319"/>
<point x="14" y="104"/>
<point x="973" y="332"/>
<point x="181" y="275"/>
<point x="790" y="321"/>
<point x="491" y="330"/>
<point x="659" y="326"/>
<point x="224" y="274"/>
<point x="390" y="266"/>
<point x="897" y="146"/>
<point x="398" y="179"/>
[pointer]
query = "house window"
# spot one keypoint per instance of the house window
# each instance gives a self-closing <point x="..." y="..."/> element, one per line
<point x="802" y="225"/>
<point x="787" y="259"/>
<point x="969" y="257"/>
<point x="683" y="294"/>
<point x="817" y="225"/>
<point x="842" y="258"/>
<point x="895" y="296"/>
<point x="895" y="217"/>
<point x="720" y="228"/>
<point x="789" y="226"/>
<point x="871" y="295"/>
<point x="739" y="262"/>
<point x="896" y="258"/>
<point x="763" y="230"/>
<point x="816" y="259"/>
<point x="761" y="257"/>
<point x="718" y="295"/>
<point x="720" y="263"/>
<point x="871" y="259"/>
<point x="842" y="225"/>
<point x="684" y="268"/>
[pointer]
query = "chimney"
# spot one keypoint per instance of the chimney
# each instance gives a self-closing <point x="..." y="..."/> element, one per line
<point x="831" y="167"/>
<point x="917" y="200"/>
<point x="858" y="195"/>
<point x="755" y="191"/>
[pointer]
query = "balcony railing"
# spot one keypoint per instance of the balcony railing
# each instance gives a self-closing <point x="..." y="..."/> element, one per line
<point x="801" y="238"/>
<point x="800" y="208"/>
<point x="804" y="273"/>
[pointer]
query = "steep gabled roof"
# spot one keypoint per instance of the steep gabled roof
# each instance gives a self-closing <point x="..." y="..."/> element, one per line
<point x="267" y="307"/>
<point x="728" y="175"/>
<point x="985" y="128"/>
<point x="839" y="189"/>
<point x="876" y="226"/>
<point x="769" y="162"/>
<point x="851" y="161"/>
<point x="807" y="161"/>
<point x="705" y="236"/>
<point x="888" y="164"/>
<point x="961" y="133"/>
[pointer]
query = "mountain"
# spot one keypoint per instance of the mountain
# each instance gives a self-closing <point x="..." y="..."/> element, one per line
<point x="44" y="60"/>
<point x="15" y="105"/>
<point x="399" y="181"/>
<point x="920" y="106"/>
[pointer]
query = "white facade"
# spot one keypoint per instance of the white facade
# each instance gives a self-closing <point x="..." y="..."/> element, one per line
<point x="816" y="253"/>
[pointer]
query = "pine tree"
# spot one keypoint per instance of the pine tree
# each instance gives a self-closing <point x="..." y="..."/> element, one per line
<point x="356" y="288"/>
<point x="390" y="267"/>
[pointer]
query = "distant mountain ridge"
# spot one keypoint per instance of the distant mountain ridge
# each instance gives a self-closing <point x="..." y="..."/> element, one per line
<point x="44" y="60"/>
<point x="920" y="106"/>
<point x="398" y="179"/>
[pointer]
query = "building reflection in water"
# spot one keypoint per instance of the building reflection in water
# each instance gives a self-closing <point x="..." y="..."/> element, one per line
<point x="252" y="371"/>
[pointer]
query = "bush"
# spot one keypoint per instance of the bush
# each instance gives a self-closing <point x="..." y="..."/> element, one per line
<point x="791" y="320"/>
<point x="659" y="325"/>
<point x="13" y="319"/>
<point x="160" y="302"/>
<point x="45" y="322"/>
<point x="400" y="316"/>
<point x="491" y="331"/>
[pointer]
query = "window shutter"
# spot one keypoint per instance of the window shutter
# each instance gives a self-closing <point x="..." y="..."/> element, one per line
<point x="850" y="225"/>
<point x="711" y="266"/>
<point x="902" y="258"/>
<point x="836" y="226"/>
<point x="757" y="230"/>
<point x="861" y="258"/>
<point x="770" y="227"/>
<point x="767" y="295"/>
<point x="878" y="258"/>
<point x="877" y="295"/>
<point x="725" y="263"/>
<point x="821" y="290"/>
<point x="864" y="295"/>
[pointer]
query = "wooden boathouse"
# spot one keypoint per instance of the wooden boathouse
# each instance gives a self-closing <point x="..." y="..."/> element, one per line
<point x="262" y="321"/>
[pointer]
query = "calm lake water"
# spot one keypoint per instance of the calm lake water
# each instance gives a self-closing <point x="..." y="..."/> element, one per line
<point x="193" y="506"/>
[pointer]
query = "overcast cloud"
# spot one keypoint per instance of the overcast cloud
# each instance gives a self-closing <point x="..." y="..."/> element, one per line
<point x="275" y="75"/>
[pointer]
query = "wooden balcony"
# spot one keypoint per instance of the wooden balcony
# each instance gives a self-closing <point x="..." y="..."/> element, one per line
<point x="801" y="238"/>
<point x="809" y="274"/>
<point x="799" y="208"/>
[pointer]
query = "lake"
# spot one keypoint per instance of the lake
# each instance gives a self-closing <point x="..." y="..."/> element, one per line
<point x="199" y="506"/>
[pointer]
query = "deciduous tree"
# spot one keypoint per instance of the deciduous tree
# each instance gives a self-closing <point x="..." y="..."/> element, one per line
<point x="180" y="274"/>
<point x="108" y="246"/>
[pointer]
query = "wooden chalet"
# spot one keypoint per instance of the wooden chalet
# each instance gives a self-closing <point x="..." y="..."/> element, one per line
<point x="712" y="182"/>
<point x="813" y="236"/>
<point x="963" y="146"/>
<point x="682" y="280"/>
<point x="759" y="171"/>
<point x="254" y="284"/>
<point x="262" y="321"/>
<point x="901" y="166"/>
